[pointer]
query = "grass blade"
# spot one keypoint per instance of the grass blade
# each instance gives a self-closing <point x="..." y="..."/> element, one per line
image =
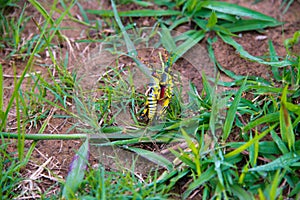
<point x="225" y="71"/>
<point x="295" y="191"/>
<point x="178" y="22"/>
<point x="194" y="149"/>
<point x="283" y="161"/>
<point x="213" y="99"/>
<point x="1" y="93"/>
<point x="205" y="13"/>
<point x="83" y="13"/>
<point x="253" y="152"/>
<point x="249" y="24"/>
<point x="204" y="177"/>
<point x="235" y="9"/>
<point x="167" y="41"/>
<point x="274" y="58"/>
<point x="46" y="15"/>
<point x="129" y="44"/>
<point x="245" y="54"/>
<point x="188" y="44"/>
<point x="209" y="90"/>
<point x="21" y="134"/>
<point x="268" y="118"/>
<point x="185" y="158"/>
<point x="136" y="13"/>
<point x="241" y="193"/>
<point x="250" y="142"/>
<point x="279" y="142"/>
<point x="265" y="147"/>
<point x="286" y="127"/>
<point x="232" y="111"/>
<point x="152" y="156"/>
<point x="275" y="184"/>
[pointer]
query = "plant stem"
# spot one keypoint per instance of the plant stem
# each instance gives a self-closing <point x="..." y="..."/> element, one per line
<point x="45" y="136"/>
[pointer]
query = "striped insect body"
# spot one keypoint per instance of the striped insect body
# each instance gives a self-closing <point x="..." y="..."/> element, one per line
<point x="159" y="92"/>
<point x="153" y="95"/>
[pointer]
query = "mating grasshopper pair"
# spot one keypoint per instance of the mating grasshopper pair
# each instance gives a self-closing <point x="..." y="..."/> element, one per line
<point x="159" y="92"/>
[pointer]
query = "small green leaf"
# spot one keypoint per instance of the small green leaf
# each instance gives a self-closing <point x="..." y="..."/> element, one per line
<point x="76" y="171"/>
<point x="290" y="42"/>
<point x="212" y="21"/>
<point x="266" y="89"/>
<point x="112" y="129"/>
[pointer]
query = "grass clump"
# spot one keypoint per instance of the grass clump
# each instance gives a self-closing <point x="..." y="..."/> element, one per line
<point x="107" y="184"/>
<point x="10" y="176"/>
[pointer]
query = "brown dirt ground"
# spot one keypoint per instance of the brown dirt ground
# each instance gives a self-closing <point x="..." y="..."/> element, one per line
<point x="59" y="154"/>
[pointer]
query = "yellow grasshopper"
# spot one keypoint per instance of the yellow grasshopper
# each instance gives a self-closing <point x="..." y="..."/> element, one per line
<point x="159" y="92"/>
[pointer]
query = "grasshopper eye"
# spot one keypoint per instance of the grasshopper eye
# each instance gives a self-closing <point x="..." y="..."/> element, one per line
<point x="155" y="74"/>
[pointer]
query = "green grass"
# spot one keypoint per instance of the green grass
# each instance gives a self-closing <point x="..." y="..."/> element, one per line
<point x="262" y="161"/>
<point x="103" y="184"/>
<point x="10" y="177"/>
